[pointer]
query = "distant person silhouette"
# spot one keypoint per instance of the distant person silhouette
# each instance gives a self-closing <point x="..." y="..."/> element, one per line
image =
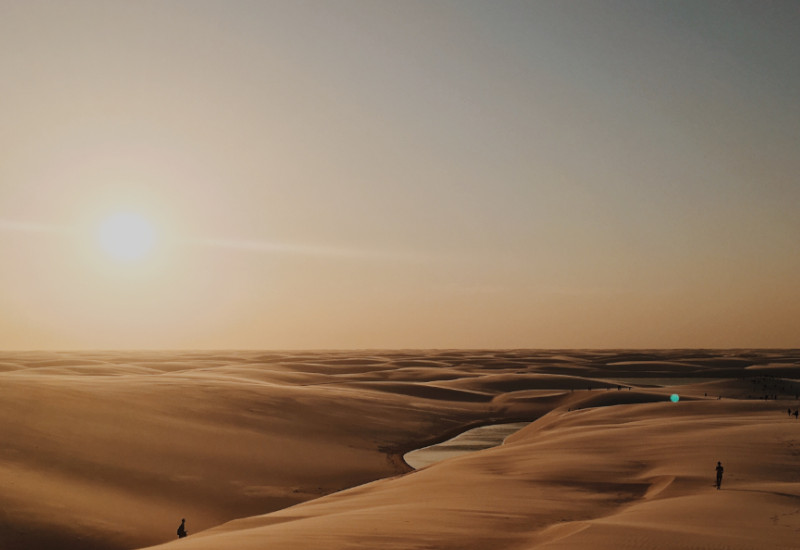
<point x="720" y="469"/>
<point x="182" y="529"/>
<point x="795" y="414"/>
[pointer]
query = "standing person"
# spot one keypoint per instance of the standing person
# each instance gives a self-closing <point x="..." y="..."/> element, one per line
<point x="720" y="469"/>
<point x="182" y="529"/>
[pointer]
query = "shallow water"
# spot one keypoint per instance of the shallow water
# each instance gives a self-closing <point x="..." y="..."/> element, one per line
<point x="466" y="442"/>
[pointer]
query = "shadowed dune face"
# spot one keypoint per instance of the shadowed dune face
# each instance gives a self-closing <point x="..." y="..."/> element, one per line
<point x="110" y="449"/>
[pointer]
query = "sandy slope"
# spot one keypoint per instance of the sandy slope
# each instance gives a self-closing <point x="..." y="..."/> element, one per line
<point x="635" y="476"/>
<point x="111" y="450"/>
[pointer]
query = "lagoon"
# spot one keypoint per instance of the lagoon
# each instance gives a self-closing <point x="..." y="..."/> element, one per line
<point x="470" y="441"/>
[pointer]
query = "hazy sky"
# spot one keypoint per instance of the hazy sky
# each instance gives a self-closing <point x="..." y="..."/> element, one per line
<point x="401" y="174"/>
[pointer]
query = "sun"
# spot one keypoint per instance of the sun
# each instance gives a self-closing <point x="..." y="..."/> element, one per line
<point x="126" y="236"/>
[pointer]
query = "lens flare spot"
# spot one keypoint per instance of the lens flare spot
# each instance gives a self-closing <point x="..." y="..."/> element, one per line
<point x="674" y="398"/>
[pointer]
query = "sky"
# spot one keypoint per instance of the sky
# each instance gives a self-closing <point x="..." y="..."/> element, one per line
<point x="399" y="174"/>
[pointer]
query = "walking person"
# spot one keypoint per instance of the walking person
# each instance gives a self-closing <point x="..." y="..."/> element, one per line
<point x="182" y="529"/>
<point x="719" y="469"/>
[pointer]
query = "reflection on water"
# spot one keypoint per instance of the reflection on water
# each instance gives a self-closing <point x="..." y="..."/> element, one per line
<point x="467" y="442"/>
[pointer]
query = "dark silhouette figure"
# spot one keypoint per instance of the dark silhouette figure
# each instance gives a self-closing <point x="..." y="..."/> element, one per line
<point x="720" y="469"/>
<point x="795" y="414"/>
<point x="182" y="529"/>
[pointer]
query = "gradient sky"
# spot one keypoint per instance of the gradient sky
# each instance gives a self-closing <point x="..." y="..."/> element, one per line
<point x="401" y="174"/>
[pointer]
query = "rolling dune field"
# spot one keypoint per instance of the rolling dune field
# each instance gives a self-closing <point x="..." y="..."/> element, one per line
<point x="303" y="450"/>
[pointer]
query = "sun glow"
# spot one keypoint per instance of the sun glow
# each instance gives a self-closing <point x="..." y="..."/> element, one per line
<point x="126" y="236"/>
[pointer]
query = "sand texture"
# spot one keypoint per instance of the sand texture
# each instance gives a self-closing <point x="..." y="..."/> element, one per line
<point x="301" y="450"/>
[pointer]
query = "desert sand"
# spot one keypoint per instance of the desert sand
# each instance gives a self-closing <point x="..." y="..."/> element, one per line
<point x="301" y="450"/>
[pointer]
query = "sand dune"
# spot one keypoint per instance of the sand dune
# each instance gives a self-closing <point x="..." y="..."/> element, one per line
<point x="280" y="450"/>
